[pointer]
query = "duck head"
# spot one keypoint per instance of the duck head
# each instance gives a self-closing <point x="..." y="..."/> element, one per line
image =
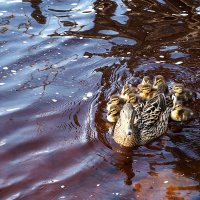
<point x="146" y="88"/>
<point x="146" y="80"/>
<point x="114" y="99"/>
<point x="178" y="105"/>
<point x="132" y="98"/>
<point x="114" y="110"/>
<point x="159" y="80"/>
<point x="178" y="88"/>
<point x="125" y="131"/>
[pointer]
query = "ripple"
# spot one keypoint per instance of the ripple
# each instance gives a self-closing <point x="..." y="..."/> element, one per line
<point x="108" y="32"/>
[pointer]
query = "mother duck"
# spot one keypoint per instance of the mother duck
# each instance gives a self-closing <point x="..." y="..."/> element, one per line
<point x="138" y="126"/>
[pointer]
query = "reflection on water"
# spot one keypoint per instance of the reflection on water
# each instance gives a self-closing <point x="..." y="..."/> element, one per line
<point x="59" y="63"/>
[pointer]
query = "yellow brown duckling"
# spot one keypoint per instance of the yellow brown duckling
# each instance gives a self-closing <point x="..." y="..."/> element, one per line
<point x="114" y="100"/>
<point x="146" y="92"/>
<point x="126" y="90"/>
<point x="113" y="113"/>
<point x="160" y="84"/>
<point x="133" y="89"/>
<point x="133" y="99"/>
<point x="145" y="80"/>
<point x="181" y="93"/>
<point x="180" y="113"/>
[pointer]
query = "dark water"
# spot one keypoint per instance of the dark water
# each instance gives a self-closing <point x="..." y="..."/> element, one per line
<point x="60" y="61"/>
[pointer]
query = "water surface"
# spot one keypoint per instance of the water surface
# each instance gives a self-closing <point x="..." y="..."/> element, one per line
<point x="60" y="62"/>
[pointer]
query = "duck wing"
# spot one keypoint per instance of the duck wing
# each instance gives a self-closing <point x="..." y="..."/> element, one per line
<point x="152" y="111"/>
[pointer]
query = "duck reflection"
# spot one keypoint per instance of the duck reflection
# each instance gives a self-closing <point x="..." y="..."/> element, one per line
<point x="124" y="164"/>
<point x="37" y="14"/>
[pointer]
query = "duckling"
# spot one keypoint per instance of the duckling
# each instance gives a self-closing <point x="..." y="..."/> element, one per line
<point x="146" y="92"/>
<point x="145" y="80"/>
<point x="127" y="89"/>
<point x="114" y="100"/>
<point x="133" y="99"/>
<point x="180" y="93"/>
<point x="180" y="113"/>
<point x="113" y="114"/>
<point x="160" y="84"/>
<point x="133" y="89"/>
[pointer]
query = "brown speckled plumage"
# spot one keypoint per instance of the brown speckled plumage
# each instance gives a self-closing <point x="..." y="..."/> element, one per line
<point x="138" y="126"/>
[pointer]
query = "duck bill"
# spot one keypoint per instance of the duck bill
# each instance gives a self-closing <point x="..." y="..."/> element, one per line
<point x="129" y="131"/>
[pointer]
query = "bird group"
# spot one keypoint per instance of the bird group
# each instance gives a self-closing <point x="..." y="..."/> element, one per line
<point x="145" y="91"/>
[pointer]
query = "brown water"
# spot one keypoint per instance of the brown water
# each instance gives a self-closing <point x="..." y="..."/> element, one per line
<point x="60" y="61"/>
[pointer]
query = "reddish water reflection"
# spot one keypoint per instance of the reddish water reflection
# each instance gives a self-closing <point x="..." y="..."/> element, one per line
<point x="59" y="64"/>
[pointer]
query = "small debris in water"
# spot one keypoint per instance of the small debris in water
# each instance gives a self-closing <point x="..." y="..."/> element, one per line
<point x="85" y="98"/>
<point x="98" y="185"/>
<point x="89" y="94"/>
<point x="62" y="186"/>
<point x="166" y="181"/>
<point x="184" y="14"/>
<point x="14" y="71"/>
<point x="54" y="100"/>
<point x="161" y="56"/>
<point x="179" y="62"/>
<point x="5" y="68"/>
<point x="151" y="10"/>
<point x="2" y="84"/>
<point x="53" y="181"/>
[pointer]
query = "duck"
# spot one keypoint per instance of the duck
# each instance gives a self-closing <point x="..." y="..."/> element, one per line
<point x="139" y="126"/>
<point x="159" y="83"/>
<point x="146" y="92"/>
<point x="114" y="100"/>
<point x="180" y="93"/>
<point x="133" y="99"/>
<point x="180" y="113"/>
<point x="113" y="114"/>
<point x="145" y="80"/>
<point x="127" y="89"/>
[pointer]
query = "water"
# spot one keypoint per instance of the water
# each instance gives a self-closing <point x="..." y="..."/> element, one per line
<point x="60" y="61"/>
